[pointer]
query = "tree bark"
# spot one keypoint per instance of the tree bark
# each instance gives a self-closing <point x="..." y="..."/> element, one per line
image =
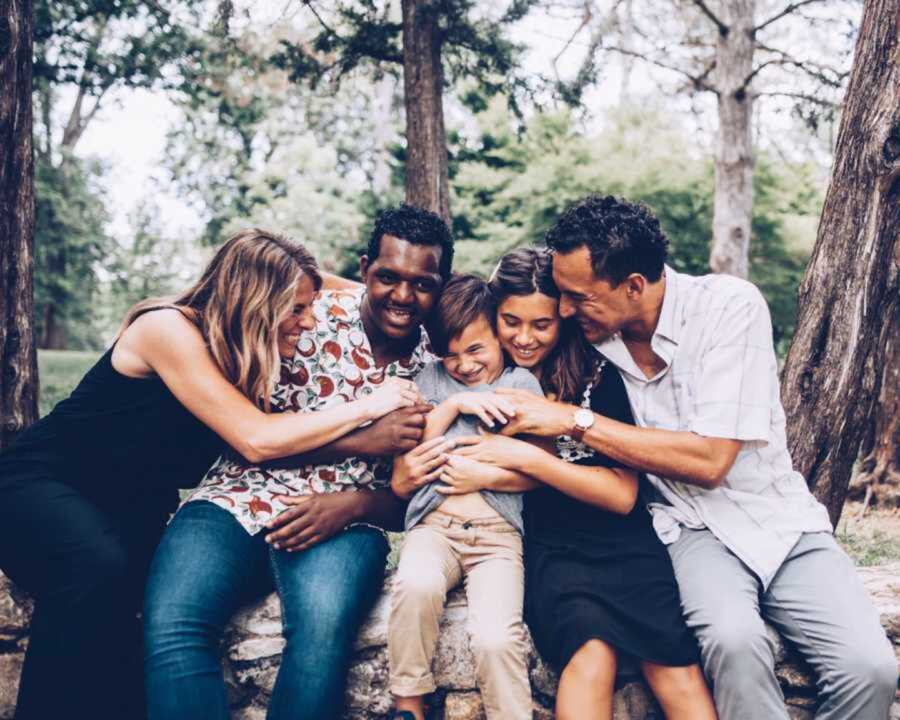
<point x="427" y="183"/>
<point x="18" y="378"/>
<point x="733" y="202"/>
<point x="840" y="377"/>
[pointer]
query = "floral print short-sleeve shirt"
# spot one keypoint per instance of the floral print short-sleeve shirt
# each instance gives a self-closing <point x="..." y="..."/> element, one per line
<point x="333" y="364"/>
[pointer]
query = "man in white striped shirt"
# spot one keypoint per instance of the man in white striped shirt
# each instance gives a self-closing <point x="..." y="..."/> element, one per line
<point x="746" y="537"/>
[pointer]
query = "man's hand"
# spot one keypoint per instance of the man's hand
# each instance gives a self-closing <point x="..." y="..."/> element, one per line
<point x="536" y="415"/>
<point x="310" y="519"/>
<point x="396" y="433"/>
<point x="420" y="466"/>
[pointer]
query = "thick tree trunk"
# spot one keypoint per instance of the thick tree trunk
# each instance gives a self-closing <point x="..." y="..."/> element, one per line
<point x="427" y="184"/>
<point x="733" y="203"/>
<point x="842" y="362"/>
<point x="879" y="477"/>
<point x="18" y="357"/>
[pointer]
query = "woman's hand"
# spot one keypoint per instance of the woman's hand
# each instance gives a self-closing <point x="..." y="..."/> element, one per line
<point x="462" y="475"/>
<point x="488" y="407"/>
<point x="394" y="393"/>
<point x="420" y="466"/>
<point x="498" y="450"/>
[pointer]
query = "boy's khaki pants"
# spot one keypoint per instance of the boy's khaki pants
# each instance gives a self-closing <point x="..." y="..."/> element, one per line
<point x="436" y="555"/>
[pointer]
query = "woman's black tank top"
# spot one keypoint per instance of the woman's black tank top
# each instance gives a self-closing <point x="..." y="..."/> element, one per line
<point x="115" y="437"/>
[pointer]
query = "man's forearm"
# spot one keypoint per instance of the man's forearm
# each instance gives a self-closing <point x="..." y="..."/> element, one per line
<point x="381" y="508"/>
<point x="672" y="454"/>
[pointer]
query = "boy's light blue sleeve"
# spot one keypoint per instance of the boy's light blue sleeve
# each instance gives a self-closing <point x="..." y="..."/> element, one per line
<point x="428" y="382"/>
<point x="523" y="379"/>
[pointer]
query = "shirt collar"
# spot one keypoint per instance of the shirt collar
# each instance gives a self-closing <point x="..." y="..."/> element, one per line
<point x="668" y="325"/>
<point x="665" y="336"/>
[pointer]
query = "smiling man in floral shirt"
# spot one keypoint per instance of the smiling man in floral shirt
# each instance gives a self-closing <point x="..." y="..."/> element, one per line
<point x="306" y="523"/>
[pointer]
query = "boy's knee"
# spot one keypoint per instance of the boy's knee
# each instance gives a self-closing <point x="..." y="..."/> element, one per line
<point x="497" y="641"/>
<point x="419" y="588"/>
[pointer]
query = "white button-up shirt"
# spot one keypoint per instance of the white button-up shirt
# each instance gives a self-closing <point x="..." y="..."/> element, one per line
<point x="721" y="380"/>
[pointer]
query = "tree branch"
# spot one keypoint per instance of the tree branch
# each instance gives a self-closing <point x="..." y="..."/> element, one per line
<point x="586" y="18"/>
<point x="698" y="81"/>
<point x="704" y="8"/>
<point x="800" y="96"/>
<point x="824" y="74"/>
<point x="793" y="7"/>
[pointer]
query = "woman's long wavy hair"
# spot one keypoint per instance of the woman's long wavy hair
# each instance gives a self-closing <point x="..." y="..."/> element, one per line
<point x="530" y="270"/>
<point x="238" y="303"/>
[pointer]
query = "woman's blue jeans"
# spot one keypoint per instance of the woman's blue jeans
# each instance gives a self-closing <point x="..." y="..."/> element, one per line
<point x="207" y="566"/>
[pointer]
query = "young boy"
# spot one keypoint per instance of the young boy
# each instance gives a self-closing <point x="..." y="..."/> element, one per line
<point x="476" y="537"/>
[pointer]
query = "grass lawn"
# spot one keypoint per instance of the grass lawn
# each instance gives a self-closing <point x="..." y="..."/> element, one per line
<point x="59" y="372"/>
<point x="872" y="540"/>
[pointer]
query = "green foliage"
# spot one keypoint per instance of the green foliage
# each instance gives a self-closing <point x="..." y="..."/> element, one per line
<point x="867" y="548"/>
<point x="148" y="264"/>
<point x="509" y="188"/>
<point x="473" y="42"/>
<point x="98" y="43"/>
<point x="60" y="371"/>
<point x="69" y="241"/>
<point x="256" y="150"/>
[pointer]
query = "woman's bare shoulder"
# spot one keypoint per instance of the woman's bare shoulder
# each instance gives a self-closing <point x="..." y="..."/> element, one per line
<point x="166" y="329"/>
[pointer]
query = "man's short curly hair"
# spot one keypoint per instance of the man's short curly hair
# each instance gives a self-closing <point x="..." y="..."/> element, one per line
<point x="417" y="226"/>
<point x="623" y="237"/>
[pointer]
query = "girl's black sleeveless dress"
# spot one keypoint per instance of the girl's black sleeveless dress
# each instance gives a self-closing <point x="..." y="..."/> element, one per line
<point x="593" y="574"/>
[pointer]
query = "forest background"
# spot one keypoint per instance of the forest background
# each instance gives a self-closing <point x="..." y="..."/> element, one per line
<point x="305" y="117"/>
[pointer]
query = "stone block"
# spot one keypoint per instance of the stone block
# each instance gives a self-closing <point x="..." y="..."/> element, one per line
<point x="253" y="646"/>
<point x="10" y="669"/>
<point x="463" y="706"/>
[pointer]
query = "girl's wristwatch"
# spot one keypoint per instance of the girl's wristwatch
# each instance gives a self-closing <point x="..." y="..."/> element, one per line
<point x="583" y="419"/>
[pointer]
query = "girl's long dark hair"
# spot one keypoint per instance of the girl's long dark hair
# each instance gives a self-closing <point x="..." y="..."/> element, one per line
<point x="530" y="270"/>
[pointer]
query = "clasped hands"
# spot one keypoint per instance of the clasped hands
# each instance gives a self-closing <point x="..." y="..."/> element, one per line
<point x="462" y="465"/>
<point x="472" y="463"/>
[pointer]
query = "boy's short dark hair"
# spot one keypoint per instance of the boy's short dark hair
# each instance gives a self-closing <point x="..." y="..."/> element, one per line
<point x="623" y="237"/>
<point x="416" y="226"/>
<point x="463" y="300"/>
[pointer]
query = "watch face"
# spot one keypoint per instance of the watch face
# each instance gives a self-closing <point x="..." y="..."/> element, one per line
<point x="584" y="418"/>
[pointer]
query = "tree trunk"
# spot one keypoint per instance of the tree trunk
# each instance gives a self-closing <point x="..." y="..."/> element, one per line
<point x="53" y="336"/>
<point x="843" y="360"/>
<point x="733" y="202"/>
<point x="427" y="183"/>
<point x="18" y="378"/>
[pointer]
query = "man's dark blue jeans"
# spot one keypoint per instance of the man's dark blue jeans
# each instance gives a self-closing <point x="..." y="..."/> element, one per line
<point x="207" y="566"/>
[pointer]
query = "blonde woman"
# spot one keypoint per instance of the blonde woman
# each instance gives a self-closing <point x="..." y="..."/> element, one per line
<point x="86" y="491"/>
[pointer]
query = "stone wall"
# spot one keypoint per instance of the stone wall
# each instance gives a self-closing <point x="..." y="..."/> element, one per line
<point x="253" y="645"/>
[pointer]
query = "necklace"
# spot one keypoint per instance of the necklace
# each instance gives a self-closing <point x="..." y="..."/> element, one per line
<point x="595" y="377"/>
<point x="568" y="448"/>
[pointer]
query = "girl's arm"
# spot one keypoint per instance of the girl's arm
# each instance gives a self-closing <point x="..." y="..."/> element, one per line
<point x="613" y="489"/>
<point x="169" y="345"/>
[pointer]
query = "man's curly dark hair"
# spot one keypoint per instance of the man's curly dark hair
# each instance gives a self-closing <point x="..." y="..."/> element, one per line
<point x="623" y="237"/>
<point x="417" y="226"/>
